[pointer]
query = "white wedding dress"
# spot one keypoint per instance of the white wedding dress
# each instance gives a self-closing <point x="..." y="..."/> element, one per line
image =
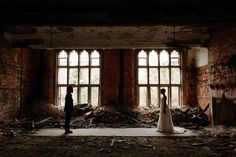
<point x="165" y="123"/>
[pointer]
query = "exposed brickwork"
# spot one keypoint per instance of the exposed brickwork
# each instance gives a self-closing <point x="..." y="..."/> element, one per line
<point x="9" y="83"/>
<point x="110" y="77"/>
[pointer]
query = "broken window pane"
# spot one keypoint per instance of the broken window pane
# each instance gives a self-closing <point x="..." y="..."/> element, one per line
<point x="84" y="76"/>
<point x="95" y="76"/>
<point x="142" y="58"/>
<point x="164" y="76"/>
<point x="154" y="96"/>
<point x="84" y="58"/>
<point x="175" y="58"/>
<point x="74" y="96"/>
<point x="153" y="76"/>
<point x="142" y="75"/>
<point x="175" y="75"/>
<point x="73" y="59"/>
<point x="174" y="96"/>
<point x="61" y="96"/>
<point x="62" y="58"/>
<point x="142" y="96"/>
<point x="164" y="58"/>
<point x="83" y="95"/>
<point x="94" y="96"/>
<point x="73" y="76"/>
<point x="62" y="75"/>
<point x="153" y="58"/>
<point x="95" y="58"/>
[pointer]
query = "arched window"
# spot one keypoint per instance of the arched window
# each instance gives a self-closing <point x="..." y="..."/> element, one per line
<point x="158" y="69"/>
<point x="81" y="69"/>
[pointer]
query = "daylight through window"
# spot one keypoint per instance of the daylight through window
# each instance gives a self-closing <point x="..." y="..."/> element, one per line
<point x="158" y="69"/>
<point x="81" y="69"/>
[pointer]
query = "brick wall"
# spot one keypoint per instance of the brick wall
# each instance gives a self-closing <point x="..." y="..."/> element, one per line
<point x="9" y="83"/>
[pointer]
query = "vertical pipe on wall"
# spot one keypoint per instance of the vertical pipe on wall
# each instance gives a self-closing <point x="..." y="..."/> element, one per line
<point x="20" y="78"/>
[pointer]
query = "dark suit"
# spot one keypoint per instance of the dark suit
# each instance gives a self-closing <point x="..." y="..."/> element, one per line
<point x="68" y="110"/>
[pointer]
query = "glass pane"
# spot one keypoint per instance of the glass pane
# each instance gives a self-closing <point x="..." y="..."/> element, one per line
<point x="142" y="75"/>
<point x="142" y="58"/>
<point x="84" y="58"/>
<point x="61" y="96"/>
<point x="95" y="62"/>
<point x="164" y="58"/>
<point x="95" y="76"/>
<point x="175" y="75"/>
<point x="154" y="96"/>
<point x="84" y="76"/>
<point x="175" y="58"/>
<point x="94" y="96"/>
<point x="142" y="62"/>
<point x="74" y="96"/>
<point x="153" y="58"/>
<point x="73" y="76"/>
<point x="62" y="75"/>
<point x="153" y="76"/>
<point x="142" y="96"/>
<point x="164" y="76"/>
<point x="83" y="95"/>
<point x="95" y="58"/>
<point x="175" y="96"/>
<point x="62" y="58"/>
<point x="174" y="61"/>
<point x="73" y="60"/>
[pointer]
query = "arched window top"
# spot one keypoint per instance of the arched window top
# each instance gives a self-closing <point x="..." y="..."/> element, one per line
<point x="153" y="58"/>
<point x="164" y="58"/>
<point x="84" y="58"/>
<point x="73" y="58"/>
<point x="63" y="54"/>
<point x="175" y="54"/>
<point x="142" y="54"/>
<point x="95" y="54"/>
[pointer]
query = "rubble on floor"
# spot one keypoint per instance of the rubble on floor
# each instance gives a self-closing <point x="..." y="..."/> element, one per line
<point x="85" y="116"/>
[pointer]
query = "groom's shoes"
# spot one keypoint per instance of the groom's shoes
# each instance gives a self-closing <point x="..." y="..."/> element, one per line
<point x="68" y="132"/>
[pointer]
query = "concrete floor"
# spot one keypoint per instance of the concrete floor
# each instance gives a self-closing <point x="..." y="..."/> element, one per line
<point x="139" y="132"/>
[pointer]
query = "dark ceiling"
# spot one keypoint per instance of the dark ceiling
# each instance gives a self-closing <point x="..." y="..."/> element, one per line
<point x="112" y="23"/>
<point x="117" y="12"/>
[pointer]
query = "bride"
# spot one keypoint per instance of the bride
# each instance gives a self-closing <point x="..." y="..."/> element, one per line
<point x="165" y="123"/>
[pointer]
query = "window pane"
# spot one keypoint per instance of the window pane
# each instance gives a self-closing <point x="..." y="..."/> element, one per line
<point x="62" y="58"/>
<point x="142" y="58"/>
<point x="61" y="96"/>
<point x="175" y="58"/>
<point x="84" y="76"/>
<point x="73" y="76"/>
<point x="142" y="75"/>
<point x="154" y="96"/>
<point x="164" y="76"/>
<point x="153" y="76"/>
<point x="62" y="75"/>
<point x="142" y="62"/>
<point x="73" y="60"/>
<point x="95" y="58"/>
<point x="84" y="58"/>
<point x="74" y="96"/>
<point x="175" y="96"/>
<point x="94" y="96"/>
<point x="142" y="96"/>
<point x="83" y="95"/>
<point x="95" y="76"/>
<point x="164" y="58"/>
<point x="153" y="58"/>
<point x="175" y="75"/>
